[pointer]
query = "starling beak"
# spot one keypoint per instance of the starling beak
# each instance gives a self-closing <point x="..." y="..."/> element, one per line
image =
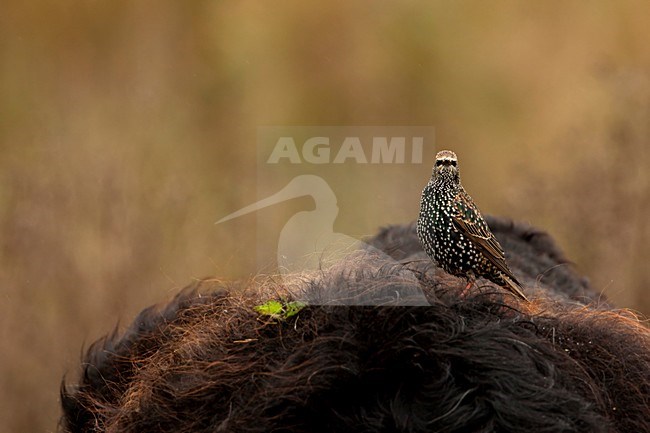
<point x="454" y="234"/>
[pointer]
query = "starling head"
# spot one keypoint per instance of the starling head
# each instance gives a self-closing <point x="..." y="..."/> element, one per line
<point x="446" y="166"/>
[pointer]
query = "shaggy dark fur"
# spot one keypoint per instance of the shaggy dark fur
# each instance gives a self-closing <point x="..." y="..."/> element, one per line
<point x="472" y="361"/>
<point x="531" y="253"/>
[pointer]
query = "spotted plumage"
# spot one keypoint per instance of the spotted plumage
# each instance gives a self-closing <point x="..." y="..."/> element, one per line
<point x="453" y="232"/>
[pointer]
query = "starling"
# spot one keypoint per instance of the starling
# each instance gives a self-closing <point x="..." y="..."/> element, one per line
<point x="454" y="234"/>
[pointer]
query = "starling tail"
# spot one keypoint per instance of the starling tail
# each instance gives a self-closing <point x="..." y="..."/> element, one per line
<point x="454" y="234"/>
<point x="515" y="287"/>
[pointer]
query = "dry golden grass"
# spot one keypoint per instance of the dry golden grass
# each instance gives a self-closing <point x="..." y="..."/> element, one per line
<point x="127" y="129"/>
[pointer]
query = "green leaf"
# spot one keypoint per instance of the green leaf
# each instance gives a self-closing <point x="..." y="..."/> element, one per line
<point x="271" y="308"/>
<point x="280" y="309"/>
<point x="293" y="308"/>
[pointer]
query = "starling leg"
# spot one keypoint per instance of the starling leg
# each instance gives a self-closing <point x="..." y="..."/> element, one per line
<point x="465" y="291"/>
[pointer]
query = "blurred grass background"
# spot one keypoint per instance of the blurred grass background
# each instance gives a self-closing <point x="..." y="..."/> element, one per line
<point x="128" y="128"/>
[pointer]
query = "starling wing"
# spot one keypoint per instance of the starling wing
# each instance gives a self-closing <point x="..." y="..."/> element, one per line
<point x="477" y="231"/>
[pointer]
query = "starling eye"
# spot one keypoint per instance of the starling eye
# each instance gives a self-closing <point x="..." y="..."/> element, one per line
<point x="439" y="162"/>
<point x="454" y="163"/>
